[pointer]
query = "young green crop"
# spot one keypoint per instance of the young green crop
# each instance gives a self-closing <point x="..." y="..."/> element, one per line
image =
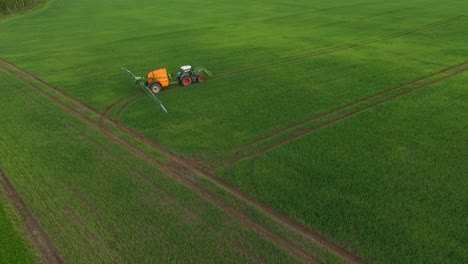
<point x="14" y="248"/>
<point x="390" y="183"/>
<point x="100" y="203"/>
<point x="276" y="63"/>
<point x="83" y="57"/>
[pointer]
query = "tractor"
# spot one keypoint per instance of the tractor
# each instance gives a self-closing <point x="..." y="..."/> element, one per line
<point x="160" y="78"/>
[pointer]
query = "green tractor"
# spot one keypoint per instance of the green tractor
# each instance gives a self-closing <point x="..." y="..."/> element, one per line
<point x="187" y="75"/>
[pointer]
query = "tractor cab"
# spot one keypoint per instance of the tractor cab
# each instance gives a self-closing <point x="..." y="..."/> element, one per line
<point x="186" y="69"/>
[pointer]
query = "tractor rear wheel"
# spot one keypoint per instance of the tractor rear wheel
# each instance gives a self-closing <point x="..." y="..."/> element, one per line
<point x="155" y="87"/>
<point x="185" y="80"/>
<point x="201" y="78"/>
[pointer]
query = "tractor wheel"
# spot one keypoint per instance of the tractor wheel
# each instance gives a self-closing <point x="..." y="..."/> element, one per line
<point x="155" y="87"/>
<point x="185" y="80"/>
<point x="201" y="78"/>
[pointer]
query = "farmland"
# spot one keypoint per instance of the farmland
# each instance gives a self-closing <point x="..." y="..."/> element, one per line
<point x="331" y="131"/>
<point x="71" y="200"/>
<point x="14" y="249"/>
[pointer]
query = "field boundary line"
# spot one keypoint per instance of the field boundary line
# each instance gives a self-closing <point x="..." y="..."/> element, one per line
<point x="177" y="174"/>
<point x="299" y="57"/>
<point x="282" y="219"/>
<point x="303" y="133"/>
<point x="37" y="237"/>
<point x="318" y="117"/>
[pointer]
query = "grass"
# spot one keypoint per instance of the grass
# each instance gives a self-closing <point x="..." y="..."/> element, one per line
<point x="322" y="253"/>
<point x="389" y="183"/>
<point x="84" y="59"/>
<point x="68" y="172"/>
<point x="14" y="248"/>
<point x="277" y="81"/>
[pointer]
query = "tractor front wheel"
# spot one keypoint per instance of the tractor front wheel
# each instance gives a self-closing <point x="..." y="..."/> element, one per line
<point x="185" y="80"/>
<point x="155" y="87"/>
<point x="200" y="78"/>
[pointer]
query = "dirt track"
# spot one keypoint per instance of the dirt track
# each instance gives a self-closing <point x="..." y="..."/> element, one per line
<point x="122" y="103"/>
<point x="303" y="133"/>
<point x="184" y="165"/>
<point x="178" y="173"/>
<point x="237" y="154"/>
<point x="37" y="237"/>
<point x="126" y="104"/>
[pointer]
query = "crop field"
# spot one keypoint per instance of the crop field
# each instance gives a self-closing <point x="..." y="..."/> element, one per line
<point x="70" y="172"/>
<point x="13" y="248"/>
<point x="330" y="132"/>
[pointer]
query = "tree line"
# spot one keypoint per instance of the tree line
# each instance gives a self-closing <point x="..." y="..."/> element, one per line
<point x="13" y="6"/>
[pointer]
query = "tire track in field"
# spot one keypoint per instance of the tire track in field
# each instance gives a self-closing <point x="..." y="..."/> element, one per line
<point x="178" y="173"/>
<point x="33" y="98"/>
<point x="127" y="104"/>
<point x="125" y="100"/>
<point x="330" y="50"/>
<point x="35" y="234"/>
<point x="305" y="132"/>
<point x="237" y="153"/>
<point x="291" y="224"/>
<point x="284" y="220"/>
<point x="267" y="210"/>
<point x="117" y="102"/>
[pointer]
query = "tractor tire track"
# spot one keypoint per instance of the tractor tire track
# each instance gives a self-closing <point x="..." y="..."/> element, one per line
<point x="55" y="89"/>
<point x="267" y="210"/>
<point x="114" y="104"/>
<point x="330" y="50"/>
<point x="306" y="132"/>
<point x="35" y="234"/>
<point x="284" y="220"/>
<point x="127" y="104"/>
<point x="176" y="173"/>
<point x="111" y="107"/>
<point x="280" y="218"/>
<point x="290" y="128"/>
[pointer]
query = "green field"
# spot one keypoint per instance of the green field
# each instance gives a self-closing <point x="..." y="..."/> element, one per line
<point x="394" y="183"/>
<point x="348" y="117"/>
<point x="13" y="246"/>
<point x="101" y="204"/>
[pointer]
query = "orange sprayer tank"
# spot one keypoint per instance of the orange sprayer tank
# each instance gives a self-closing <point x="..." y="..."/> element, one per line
<point x="160" y="76"/>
